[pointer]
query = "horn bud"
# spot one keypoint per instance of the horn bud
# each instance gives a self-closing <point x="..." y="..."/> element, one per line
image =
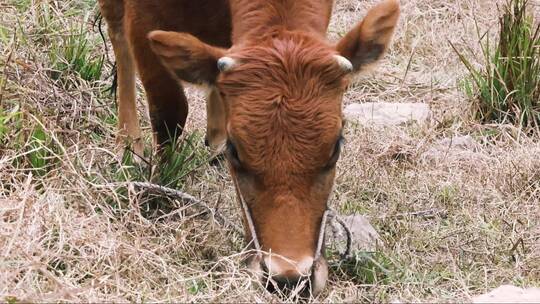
<point x="344" y="63"/>
<point x="225" y="64"/>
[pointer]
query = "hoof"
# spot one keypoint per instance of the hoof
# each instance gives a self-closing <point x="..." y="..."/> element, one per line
<point x="136" y="148"/>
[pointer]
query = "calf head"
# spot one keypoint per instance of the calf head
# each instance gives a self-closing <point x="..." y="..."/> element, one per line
<point x="283" y="98"/>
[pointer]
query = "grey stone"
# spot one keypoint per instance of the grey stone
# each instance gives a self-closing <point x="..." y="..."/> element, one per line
<point x="388" y="114"/>
<point x="452" y="146"/>
<point x="509" y="294"/>
<point x="364" y="236"/>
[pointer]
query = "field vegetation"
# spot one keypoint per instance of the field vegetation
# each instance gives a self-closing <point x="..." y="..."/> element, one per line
<point x="454" y="221"/>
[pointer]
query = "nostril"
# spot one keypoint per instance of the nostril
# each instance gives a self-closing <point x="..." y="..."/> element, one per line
<point x="283" y="283"/>
<point x="283" y="275"/>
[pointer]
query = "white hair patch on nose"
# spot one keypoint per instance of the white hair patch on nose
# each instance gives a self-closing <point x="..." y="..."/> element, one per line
<point x="304" y="265"/>
<point x="277" y="265"/>
<point x="344" y="63"/>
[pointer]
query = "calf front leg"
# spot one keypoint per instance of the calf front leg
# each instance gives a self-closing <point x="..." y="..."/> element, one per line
<point x="167" y="103"/>
<point x="129" y="132"/>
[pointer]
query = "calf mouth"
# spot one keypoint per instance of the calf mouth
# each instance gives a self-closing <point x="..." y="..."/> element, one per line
<point x="301" y="287"/>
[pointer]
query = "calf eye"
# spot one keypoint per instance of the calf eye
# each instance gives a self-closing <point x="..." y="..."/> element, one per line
<point x="335" y="154"/>
<point x="232" y="154"/>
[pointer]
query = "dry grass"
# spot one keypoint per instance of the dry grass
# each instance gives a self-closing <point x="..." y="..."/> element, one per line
<point x="66" y="237"/>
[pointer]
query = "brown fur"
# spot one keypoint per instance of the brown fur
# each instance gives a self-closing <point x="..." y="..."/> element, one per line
<point x="132" y="20"/>
<point x="285" y="129"/>
<point x="279" y="107"/>
<point x="255" y="20"/>
<point x="128" y="124"/>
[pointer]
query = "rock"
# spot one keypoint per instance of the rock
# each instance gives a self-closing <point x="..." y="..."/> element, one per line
<point x="458" y="142"/>
<point x="453" y="146"/>
<point x="510" y="294"/>
<point x="364" y="236"/>
<point x="388" y="114"/>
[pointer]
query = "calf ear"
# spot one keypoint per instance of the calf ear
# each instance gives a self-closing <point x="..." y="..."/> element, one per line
<point x="186" y="56"/>
<point x="367" y="42"/>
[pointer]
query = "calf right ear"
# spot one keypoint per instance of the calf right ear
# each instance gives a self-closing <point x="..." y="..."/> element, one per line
<point x="186" y="56"/>
<point x="367" y="42"/>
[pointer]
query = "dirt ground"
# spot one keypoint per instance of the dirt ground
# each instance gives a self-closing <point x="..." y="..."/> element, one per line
<point x="65" y="235"/>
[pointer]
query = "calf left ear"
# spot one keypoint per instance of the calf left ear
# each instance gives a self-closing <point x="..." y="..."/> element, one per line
<point x="367" y="42"/>
<point x="186" y="56"/>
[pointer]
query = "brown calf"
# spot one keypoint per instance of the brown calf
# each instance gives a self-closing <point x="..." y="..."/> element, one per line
<point x="276" y="88"/>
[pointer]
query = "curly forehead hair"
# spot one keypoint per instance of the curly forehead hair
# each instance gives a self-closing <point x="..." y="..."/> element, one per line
<point x="285" y="97"/>
<point x="296" y="65"/>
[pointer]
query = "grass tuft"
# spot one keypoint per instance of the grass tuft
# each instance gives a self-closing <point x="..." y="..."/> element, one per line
<point x="9" y="121"/>
<point x="74" y="56"/>
<point x="69" y="236"/>
<point x="169" y="167"/>
<point x="507" y="88"/>
<point x="39" y="155"/>
<point x="369" y="268"/>
<point x="182" y="157"/>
